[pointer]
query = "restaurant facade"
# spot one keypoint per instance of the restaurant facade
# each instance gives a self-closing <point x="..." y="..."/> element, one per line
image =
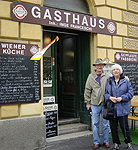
<point x="87" y="30"/>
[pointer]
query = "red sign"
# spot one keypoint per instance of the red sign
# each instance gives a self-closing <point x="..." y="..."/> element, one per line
<point x="30" y="13"/>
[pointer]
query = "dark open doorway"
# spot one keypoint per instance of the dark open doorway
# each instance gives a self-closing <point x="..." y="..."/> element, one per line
<point x="67" y="75"/>
<point x="71" y="67"/>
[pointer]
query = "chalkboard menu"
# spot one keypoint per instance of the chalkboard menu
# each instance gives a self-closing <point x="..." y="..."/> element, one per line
<point x="19" y="76"/>
<point x="51" y="113"/>
<point x="47" y="72"/>
<point x="129" y="63"/>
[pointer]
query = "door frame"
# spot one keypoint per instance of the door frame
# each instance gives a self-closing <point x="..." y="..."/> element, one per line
<point x="83" y="69"/>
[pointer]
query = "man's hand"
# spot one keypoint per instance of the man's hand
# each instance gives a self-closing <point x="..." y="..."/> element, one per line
<point x="113" y="99"/>
<point x="88" y="106"/>
<point x="119" y="99"/>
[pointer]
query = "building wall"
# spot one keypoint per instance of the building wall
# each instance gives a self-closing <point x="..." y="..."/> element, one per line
<point x="124" y="12"/>
<point x="11" y="31"/>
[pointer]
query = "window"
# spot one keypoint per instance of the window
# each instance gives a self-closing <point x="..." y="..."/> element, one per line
<point x="71" y="5"/>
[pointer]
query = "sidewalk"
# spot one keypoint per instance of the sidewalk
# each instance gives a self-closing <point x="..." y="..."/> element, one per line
<point x="81" y="143"/>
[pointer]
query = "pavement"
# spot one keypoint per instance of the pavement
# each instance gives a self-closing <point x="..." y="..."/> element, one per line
<point x="79" y="143"/>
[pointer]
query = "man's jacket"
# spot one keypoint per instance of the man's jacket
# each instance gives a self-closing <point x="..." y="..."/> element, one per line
<point x="94" y="92"/>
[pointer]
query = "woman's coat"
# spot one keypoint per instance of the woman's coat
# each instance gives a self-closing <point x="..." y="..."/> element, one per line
<point x="124" y="90"/>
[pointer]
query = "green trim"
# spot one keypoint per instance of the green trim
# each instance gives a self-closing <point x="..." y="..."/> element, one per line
<point x="54" y="68"/>
<point x="84" y="68"/>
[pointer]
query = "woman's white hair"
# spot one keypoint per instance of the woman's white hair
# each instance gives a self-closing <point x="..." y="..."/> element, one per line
<point x="117" y="66"/>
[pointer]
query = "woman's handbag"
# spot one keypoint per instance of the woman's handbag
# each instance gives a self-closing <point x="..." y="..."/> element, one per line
<point x="108" y="112"/>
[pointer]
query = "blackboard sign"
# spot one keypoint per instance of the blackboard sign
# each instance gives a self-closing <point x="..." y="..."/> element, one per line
<point x="51" y="113"/>
<point x="19" y="76"/>
<point x="47" y="71"/>
<point x="129" y="63"/>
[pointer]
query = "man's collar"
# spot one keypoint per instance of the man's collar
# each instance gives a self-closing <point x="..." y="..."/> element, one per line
<point x="94" y="73"/>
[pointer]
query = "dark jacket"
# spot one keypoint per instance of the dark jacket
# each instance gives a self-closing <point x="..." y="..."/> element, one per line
<point x="122" y="89"/>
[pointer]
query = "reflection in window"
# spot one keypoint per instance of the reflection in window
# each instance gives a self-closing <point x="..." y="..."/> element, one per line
<point x="68" y="53"/>
<point x="47" y="65"/>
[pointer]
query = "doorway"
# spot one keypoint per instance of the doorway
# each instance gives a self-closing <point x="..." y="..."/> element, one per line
<point x="67" y="75"/>
<point x="70" y="69"/>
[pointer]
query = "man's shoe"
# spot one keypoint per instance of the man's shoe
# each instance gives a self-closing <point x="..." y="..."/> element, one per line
<point x="96" y="146"/>
<point x="106" y="145"/>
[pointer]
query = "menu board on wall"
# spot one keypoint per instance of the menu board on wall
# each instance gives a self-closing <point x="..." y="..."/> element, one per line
<point x="19" y="76"/>
<point x="51" y="113"/>
<point x="129" y="63"/>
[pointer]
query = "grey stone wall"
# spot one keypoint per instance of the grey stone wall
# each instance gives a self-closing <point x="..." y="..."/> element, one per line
<point x="22" y="133"/>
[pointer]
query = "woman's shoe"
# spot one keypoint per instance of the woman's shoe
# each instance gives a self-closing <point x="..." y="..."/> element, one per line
<point x="116" y="147"/>
<point x="129" y="147"/>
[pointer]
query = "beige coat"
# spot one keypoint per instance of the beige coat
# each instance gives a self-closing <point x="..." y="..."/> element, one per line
<point x="94" y="92"/>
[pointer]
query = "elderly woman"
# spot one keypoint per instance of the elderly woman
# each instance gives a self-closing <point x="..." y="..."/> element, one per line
<point x="120" y="92"/>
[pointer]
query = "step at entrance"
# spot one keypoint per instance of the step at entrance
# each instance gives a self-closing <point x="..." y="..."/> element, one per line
<point x="72" y="128"/>
<point x="71" y="125"/>
<point x="69" y="121"/>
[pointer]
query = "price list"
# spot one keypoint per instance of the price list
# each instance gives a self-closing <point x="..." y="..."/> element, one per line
<point x="19" y="79"/>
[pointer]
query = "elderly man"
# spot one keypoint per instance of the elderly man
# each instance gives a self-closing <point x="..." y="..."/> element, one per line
<point x="94" y="97"/>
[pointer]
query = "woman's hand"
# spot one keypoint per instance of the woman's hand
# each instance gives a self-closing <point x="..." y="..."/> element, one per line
<point x="113" y="99"/>
<point x="127" y="78"/>
<point x="119" y="99"/>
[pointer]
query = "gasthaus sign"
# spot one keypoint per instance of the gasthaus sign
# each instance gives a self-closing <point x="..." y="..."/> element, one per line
<point x="30" y="13"/>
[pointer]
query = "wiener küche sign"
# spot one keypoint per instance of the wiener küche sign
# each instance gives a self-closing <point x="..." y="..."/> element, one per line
<point x="19" y="76"/>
